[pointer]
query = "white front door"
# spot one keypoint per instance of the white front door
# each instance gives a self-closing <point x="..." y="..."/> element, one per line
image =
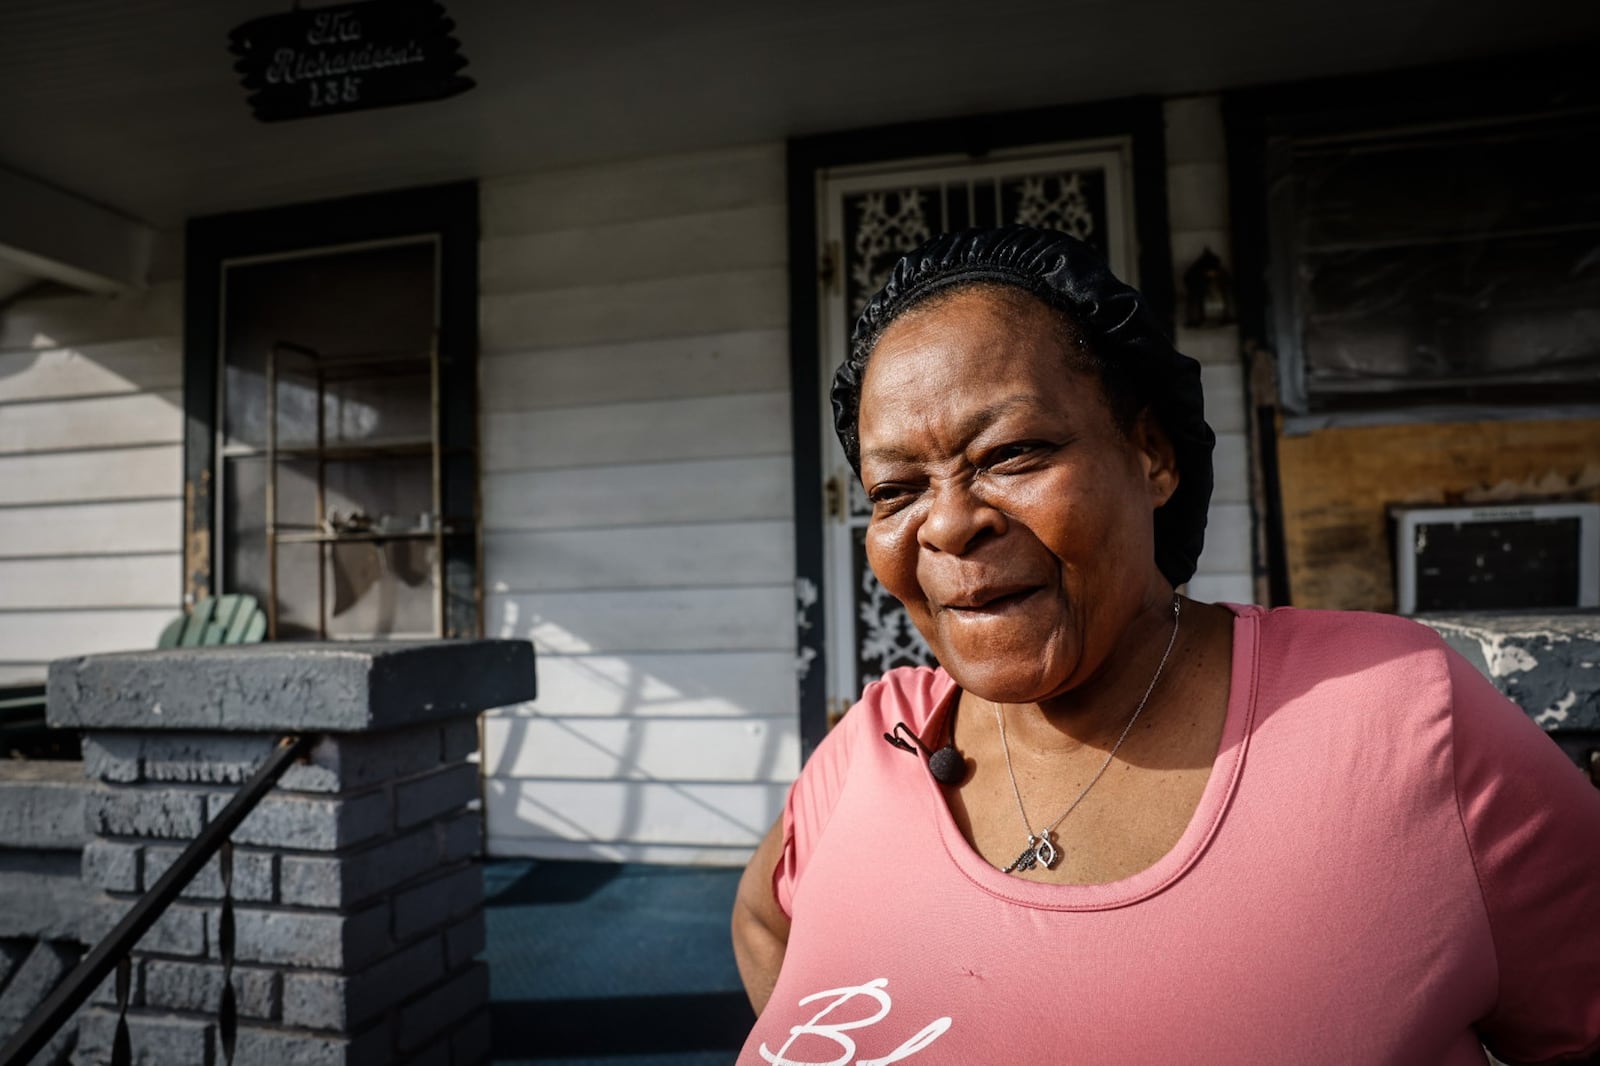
<point x="869" y="217"/>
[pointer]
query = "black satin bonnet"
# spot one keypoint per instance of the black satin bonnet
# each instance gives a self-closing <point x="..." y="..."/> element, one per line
<point x="1116" y="324"/>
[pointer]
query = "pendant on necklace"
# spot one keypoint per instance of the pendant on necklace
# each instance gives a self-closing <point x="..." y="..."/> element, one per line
<point x="1046" y="852"/>
<point x="1027" y="859"/>
<point x="1039" y="852"/>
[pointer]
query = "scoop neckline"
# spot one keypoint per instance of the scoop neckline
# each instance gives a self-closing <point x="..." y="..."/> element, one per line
<point x="1161" y="874"/>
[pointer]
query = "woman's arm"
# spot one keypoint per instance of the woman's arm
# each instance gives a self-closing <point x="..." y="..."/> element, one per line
<point x="760" y="928"/>
<point x="1531" y="821"/>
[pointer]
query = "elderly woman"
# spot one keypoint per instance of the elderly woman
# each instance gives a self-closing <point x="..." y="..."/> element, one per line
<point x="1151" y="830"/>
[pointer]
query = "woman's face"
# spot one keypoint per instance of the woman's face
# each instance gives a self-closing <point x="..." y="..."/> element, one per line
<point x="1010" y="513"/>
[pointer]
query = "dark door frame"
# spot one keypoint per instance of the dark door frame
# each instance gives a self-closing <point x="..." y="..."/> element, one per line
<point x="447" y="212"/>
<point x="1140" y="118"/>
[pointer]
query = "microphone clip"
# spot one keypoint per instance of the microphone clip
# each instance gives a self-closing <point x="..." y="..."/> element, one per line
<point x="895" y="739"/>
<point x="946" y="765"/>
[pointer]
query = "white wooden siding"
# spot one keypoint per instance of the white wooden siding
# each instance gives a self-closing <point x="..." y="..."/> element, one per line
<point x="124" y="527"/>
<point x="1197" y="205"/>
<point x="635" y="310"/>
<point x="718" y="490"/>
<point x="702" y="555"/>
<point x="35" y="325"/>
<point x="668" y="685"/>
<point x="671" y="368"/>
<point x="638" y="190"/>
<point x="90" y="369"/>
<point x="144" y="472"/>
<point x="637" y="506"/>
<point x="78" y="582"/>
<point x="710" y="427"/>
<point x="91" y="425"/>
<point x="645" y="249"/>
<point x="752" y="749"/>
<point x="91" y="422"/>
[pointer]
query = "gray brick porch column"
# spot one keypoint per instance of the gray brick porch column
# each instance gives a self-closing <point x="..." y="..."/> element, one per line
<point x="357" y="892"/>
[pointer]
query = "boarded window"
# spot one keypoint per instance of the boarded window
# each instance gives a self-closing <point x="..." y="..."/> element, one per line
<point x="1450" y="264"/>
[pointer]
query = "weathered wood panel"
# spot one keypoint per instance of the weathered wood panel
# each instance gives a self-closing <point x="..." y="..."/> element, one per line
<point x="1337" y="486"/>
<point x="712" y="427"/>
<point x="68" y="477"/>
<point x="721" y="684"/>
<point x="643" y="620"/>
<point x="694" y="814"/>
<point x="110" y="581"/>
<point x="741" y="238"/>
<point x="39" y="636"/>
<point x="663" y="307"/>
<point x="90" y="529"/>
<point x="713" y="364"/>
<point x="98" y="422"/>
<point x="578" y="198"/>
<point x="715" y="490"/>
<point x="708" y="555"/>
<point x="671" y="749"/>
<point x="94" y="369"/>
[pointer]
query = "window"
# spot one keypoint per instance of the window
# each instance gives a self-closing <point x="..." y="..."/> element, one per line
<point x="1450" y="262"/>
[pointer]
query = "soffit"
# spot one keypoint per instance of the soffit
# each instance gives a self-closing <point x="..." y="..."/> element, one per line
<point x="134" y="105"/>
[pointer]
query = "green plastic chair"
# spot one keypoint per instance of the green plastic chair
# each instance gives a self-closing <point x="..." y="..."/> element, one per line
<point x="236" y="618"/>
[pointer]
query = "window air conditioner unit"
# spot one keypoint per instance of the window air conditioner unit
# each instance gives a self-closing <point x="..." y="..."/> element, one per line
<point x="1518" y="556"/>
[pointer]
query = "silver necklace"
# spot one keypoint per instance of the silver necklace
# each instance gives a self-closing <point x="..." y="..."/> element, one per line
<point x="1041" y="850"/>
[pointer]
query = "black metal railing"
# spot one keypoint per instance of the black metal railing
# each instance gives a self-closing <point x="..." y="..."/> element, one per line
<point x="115" y="950"/>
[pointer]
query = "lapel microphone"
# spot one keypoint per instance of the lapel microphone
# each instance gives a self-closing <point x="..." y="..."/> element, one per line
<point x="947" y="765"/>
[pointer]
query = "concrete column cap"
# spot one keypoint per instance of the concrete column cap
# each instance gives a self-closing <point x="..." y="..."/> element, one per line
<point x="332" y="687"/>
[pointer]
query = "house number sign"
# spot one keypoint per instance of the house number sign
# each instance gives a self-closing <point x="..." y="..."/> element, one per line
<point x="348" y="57"/>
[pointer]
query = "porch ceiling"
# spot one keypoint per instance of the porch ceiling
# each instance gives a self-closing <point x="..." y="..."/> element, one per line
<point x="132" y="104"/>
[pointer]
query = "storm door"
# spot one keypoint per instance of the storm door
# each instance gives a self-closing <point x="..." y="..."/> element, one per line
<point x="329" y="490"/>
<point x="868" y="218"/>
<point x="330" y="393"/>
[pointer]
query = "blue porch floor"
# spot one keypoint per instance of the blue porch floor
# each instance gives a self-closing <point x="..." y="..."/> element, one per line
<point x="621" y="965"/>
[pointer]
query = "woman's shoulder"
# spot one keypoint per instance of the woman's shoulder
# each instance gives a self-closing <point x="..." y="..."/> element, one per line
<point x="856" y="744"/>
<point x="908" y="694"/>
<point x="1299" y="650"/>
<point x="1351" y="632"/>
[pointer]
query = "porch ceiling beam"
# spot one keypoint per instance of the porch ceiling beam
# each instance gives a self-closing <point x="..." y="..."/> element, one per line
<point x="51" y="234"/>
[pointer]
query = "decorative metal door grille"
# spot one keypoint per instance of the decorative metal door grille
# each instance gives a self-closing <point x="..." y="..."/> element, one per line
<point x="869" y="221"/>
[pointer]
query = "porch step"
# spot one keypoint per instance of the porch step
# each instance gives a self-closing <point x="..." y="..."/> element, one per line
<point x="41" y="805"/>
<point x="29" y="971"/>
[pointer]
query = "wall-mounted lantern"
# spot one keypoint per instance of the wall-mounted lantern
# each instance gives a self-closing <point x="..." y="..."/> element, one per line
<point x="1208" y="292"/>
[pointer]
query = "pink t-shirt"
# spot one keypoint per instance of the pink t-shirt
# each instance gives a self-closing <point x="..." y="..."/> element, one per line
<point x="1389" y="864"/>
